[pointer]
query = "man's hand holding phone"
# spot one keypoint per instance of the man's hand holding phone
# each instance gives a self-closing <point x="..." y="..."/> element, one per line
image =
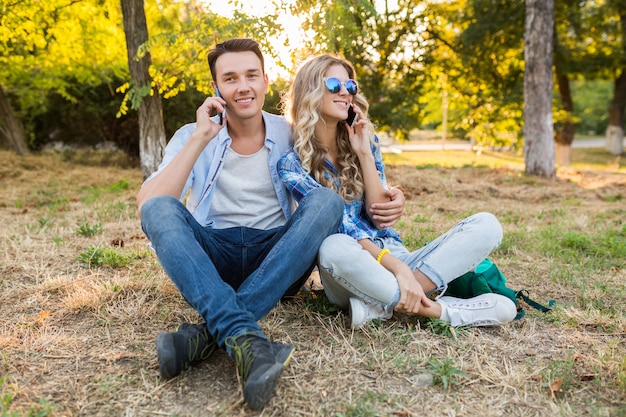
<point x="205" y="126"/>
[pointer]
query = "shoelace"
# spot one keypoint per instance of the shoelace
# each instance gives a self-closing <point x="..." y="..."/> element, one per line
<point x="243" y="353"/>
<point x="194" y="344"/>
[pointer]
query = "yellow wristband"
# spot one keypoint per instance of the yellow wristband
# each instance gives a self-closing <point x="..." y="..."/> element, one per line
<point x="382" y="253"/>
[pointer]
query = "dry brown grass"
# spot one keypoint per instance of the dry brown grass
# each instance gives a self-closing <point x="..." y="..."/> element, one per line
<point x="79" y="341"/>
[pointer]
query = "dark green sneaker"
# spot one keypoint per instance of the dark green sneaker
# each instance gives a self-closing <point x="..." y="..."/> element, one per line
<point x="260" y="363"/>
<point x="188" y="345"/>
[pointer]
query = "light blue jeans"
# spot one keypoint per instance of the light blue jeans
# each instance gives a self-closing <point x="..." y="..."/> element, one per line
<point x="347" y="270"/>
<point x="234" y="277"/>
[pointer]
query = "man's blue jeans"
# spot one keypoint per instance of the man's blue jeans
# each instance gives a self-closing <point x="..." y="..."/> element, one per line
<point x="234" y="277"/>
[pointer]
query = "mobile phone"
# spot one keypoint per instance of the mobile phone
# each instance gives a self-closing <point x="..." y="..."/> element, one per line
<point x="352" y="116"/>
<point x="222" y="114"/>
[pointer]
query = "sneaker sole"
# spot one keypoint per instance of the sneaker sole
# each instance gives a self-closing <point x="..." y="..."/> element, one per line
<point x="355" y="322"/>
<point x="257" y="393"/>
<point x="285" y="354"/>
<point x="166" y="355"/>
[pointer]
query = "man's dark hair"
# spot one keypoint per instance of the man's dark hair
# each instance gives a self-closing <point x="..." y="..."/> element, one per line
<point x="234" y="45"/>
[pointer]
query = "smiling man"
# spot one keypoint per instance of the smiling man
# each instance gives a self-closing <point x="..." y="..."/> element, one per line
<point x="235" y="248"/>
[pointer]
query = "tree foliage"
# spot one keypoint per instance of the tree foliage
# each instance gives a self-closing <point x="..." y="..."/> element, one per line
<point x="409" y="54"/>
<point x="58" y="45"/>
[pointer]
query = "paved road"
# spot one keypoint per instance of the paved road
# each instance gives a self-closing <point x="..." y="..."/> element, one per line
<point x="465" y="146"/>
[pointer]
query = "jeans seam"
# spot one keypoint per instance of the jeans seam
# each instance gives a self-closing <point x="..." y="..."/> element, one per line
<point x="360" y="294"/>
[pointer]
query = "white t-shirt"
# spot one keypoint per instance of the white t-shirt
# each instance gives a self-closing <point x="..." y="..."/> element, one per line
<point x="244" y="193"/>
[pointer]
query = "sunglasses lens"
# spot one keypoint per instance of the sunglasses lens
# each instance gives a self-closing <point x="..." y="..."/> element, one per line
<point x="333" y="85"/>
<point x="351" y="87"/>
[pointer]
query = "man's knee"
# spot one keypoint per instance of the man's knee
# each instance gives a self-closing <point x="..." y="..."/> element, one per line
<point x="159" y="205"/>
<point x="155" y="210"/>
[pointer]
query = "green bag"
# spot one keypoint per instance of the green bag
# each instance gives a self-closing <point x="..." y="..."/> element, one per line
<point x="487" y="278"/>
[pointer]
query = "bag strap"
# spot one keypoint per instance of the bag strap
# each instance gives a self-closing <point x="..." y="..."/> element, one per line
<point x="523" y="294"/>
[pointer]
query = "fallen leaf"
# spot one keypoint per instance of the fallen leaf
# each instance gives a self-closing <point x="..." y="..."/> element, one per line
<point x="42" y="316"/>
<point x="555" y="386"/>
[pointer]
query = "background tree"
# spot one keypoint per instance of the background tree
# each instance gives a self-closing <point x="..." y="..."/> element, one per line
<point x="566" y="39"/>
<point x="615" y="131"/>
<point x="483" y="44"/>
<point x="11" y="127"/>
<point x="56" y="46"/>
<point x="538" y="131"/>
<point x="590" y="45"/>
<point x="151" y="128"/>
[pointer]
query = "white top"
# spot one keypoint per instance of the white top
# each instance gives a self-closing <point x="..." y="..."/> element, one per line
<point x="244" y="193"/>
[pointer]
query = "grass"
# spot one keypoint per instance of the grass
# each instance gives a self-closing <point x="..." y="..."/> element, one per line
<point x="83" y="299"/>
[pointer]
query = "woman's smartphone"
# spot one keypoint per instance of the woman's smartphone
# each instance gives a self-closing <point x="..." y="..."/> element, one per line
<point x="352" y="116"/>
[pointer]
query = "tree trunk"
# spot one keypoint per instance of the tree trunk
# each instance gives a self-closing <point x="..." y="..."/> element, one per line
<point x="10" y="126"/>
<point x="151" y="127"/>
<point x="538" y="50"/>
<point x="567" y="129"/>
<point x="615" y="130"/>
<point x="563" y="155"/>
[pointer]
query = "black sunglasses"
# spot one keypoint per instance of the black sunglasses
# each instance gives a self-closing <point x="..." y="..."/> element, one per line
<point x="334" y="85"/>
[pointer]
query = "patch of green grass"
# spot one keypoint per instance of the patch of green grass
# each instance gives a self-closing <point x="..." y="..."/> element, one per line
<point x="510" y="217"/>
<point x="119" y="186"/>
<point x="117" y="210"/>
<point x="88" y="230"/>
<point x="511" y="242"/>
<point x="443" y="328"/>
<point x="365" y="406"/>
<point x="604" y="249"/>
<point x="7" y="394"/>
<point x="95" y="256"/>
<point x="418" y="218"/>
<point x="317" y="302"/>
<point x="581" y="157"/>
<point x="91" y="194"/>
<point x="444" y="372"/>
<point x="621" y="374"/>
<point x="559" y="373"/>
<point x="49" y="197"/>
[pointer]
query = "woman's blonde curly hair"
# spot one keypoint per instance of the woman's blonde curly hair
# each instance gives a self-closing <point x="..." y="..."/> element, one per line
<point x="301" y="105"/>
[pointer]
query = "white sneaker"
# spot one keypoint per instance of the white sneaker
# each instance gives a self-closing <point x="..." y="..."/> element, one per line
<point x="362" y="312"/>
<point x="484" y="310"/>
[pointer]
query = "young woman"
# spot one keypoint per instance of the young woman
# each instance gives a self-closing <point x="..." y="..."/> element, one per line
<point x="365" y="268"/>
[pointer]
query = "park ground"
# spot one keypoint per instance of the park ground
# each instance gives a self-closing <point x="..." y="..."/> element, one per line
<point x="82" y="299"/>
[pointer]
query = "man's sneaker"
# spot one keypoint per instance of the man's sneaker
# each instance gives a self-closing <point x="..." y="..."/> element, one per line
<point x="362" y="312"/>
<point x="484" y="310"/>
<point x="260" y="363"/>
<point x="188" y="345"/>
